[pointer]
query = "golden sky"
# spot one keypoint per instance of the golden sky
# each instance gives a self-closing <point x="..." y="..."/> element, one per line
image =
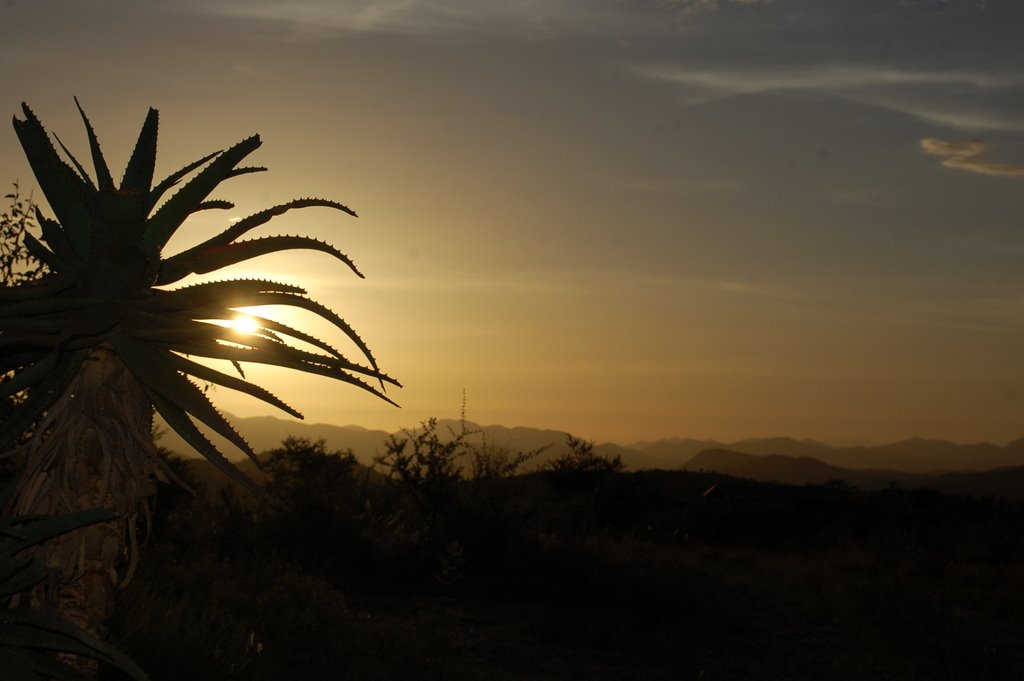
<point x="629" y="219"/>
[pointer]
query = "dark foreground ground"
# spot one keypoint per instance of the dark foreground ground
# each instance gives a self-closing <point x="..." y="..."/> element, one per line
<point x="572" y="574"/>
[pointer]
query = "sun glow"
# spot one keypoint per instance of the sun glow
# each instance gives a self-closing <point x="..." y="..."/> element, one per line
<point x="243" y="324"/>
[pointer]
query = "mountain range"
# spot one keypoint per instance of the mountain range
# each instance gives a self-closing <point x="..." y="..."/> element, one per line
<point x="891" y="461"/>
<point x="1006" y="481"/>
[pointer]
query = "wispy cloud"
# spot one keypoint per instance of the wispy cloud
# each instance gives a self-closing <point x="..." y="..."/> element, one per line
<point x="836" y="77"/>
<point x="913" y="57"/>
<point x="315" y="19"/>
<point x="693" y="7"/>
<point x="932" y="96"/>
<point x="970" y="156"/>
<point x="321" y="18"/>
<point x="688" y="8"/>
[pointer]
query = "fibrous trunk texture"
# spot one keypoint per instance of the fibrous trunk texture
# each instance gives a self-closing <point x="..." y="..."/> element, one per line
<point x="93" y="449"/>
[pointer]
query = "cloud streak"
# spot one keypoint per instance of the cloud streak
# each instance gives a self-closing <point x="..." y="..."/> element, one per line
<point x="969" y="156"/>
<point x="318" y="19"/>
<point x="836" y="77"/>
<point x="932" y="96"/>
<point x="689" y="8"/>
<point x="922" y="59"/>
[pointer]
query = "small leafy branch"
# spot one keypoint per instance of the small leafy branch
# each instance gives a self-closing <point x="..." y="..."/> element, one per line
<point x="17" y="264"/>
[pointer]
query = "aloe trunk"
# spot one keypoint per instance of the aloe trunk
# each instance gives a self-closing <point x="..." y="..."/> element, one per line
<point x="93" y="449"/>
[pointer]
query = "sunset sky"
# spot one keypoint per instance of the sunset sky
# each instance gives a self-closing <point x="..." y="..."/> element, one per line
<point x="629" y="219"/>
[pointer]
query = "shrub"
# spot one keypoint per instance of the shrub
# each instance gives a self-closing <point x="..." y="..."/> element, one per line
<point x="581" y="463"/>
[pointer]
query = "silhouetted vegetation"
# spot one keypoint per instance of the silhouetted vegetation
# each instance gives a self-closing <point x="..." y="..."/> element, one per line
<point x="422" y="568"/>
<point x="581" y="464"/>
<point x="17" y="264"/>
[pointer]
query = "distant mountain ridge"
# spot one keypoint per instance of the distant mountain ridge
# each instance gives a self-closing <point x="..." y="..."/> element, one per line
<point x="267" y="432"/>
<point x="1006" y="482"/>
<point x="916" y="455"/>
<point x="793" y="470"/>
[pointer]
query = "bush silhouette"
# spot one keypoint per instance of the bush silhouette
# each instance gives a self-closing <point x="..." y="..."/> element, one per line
<point x="580" y="465"/>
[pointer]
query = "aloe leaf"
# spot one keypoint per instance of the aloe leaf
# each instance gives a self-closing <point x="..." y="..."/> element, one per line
<point x="215" y="204"/>
<point x="22" y="340"/>
<point x="262" y="217"/>
<point x="345" y="377"/>
<point x="32" y="637"/>
<point x="103" y="179"/>
<point x="167" y="329"/>
<point x="25" y="664"/>
<point x="79" y="327"/>
<point x="251" y="222"/>
<point x="9" y="361"/>
<point x="275" y="298"/>
<point x="64" y="190"/>
<point x="289" y="359"/>
<point x="298" y="335"/>
<point x="176" y="322"/>
<point x="245" y="170"/>
<point x="30" y="665"/>
<point x="28" y="635"/>
<point x="175" y="177"/>
<point x="206" y="373"/>
<point x="152" y="367"/>
<point x="138" y="174"/>
<point x="82" y="172"/>
<point x="26" y="531"/>
<point x="24" y="576"/>
<point x="40" y="398"/>
<point x="32" y="325"/>
<point x="64" y="635"/>
<point x="220" y="256"/>
<point x="271" y="350"/>
<point x="56" y="239"/>
<point x="28" y="377"/>
<point x="94" y="322"/>
<point x="42" y="253"/>
<point x="41" y="306"/>
<point x="162" y="224"/>
<point x="246" y="298"/>
<point x="50" y="285"/>
<point x="217" y="293"/>
<point x="171" y="331"/>
<point x="179" y="420"/>
<point x="38" y="531"/>
<point x="19" y="576"/>
<point x="337" y="360"/>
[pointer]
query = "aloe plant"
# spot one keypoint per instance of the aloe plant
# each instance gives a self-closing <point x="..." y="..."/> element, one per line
<point x="103" y="338"/>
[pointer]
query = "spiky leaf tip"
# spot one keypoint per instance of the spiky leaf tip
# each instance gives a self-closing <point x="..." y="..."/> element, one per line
<point x="103" y="179"/>
<point x="138" y="174"/>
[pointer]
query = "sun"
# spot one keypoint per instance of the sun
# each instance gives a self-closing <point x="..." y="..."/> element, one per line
<point x="244" y="324"/>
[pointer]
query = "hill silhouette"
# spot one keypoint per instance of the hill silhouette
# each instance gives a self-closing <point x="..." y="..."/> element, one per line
<point x="1006" y="482"/>
<point x="267" y="432"/>
<point x="794" y="470"/>
<point x="787" y="459"/>
<point x="915" y="455"/>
